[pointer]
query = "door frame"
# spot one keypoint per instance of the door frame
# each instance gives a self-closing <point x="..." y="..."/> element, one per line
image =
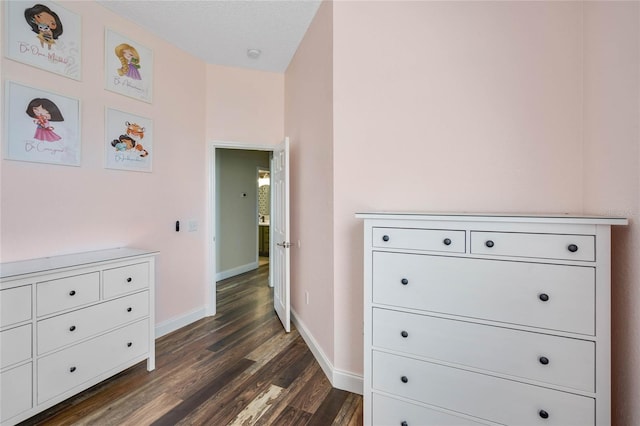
<point x="211" y="250"/>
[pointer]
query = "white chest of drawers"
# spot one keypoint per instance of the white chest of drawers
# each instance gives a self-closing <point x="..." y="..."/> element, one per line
<point x="486" y="319"/>
<point x="68" y="322"/>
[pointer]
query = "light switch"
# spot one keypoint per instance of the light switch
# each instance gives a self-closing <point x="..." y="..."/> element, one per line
<point x="193" y="225"/>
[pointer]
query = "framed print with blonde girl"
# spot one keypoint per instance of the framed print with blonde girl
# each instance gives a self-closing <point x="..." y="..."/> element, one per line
<point x="45" y="35"/>
<point x="128" y="67"/>
<point x="41" y="126"/>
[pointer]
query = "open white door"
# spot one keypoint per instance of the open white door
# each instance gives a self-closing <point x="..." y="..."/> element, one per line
<point x="281" y="233"/>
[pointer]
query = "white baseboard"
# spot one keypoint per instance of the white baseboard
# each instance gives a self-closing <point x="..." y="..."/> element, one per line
<point x="339" y="379"/>
<point x="348" y="381"/>
<point x="173" y="324"/>
<point x="236" y="271"/>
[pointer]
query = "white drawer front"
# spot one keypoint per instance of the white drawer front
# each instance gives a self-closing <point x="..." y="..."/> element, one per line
<point x="15" y="304"/>
<point x="480" y="395"/>
<point x="452" y="241"/>
<point x="125" y="279"/>
<point x="15" y="388"/>
<point x="555" y="297"/>
<point x="542" y="357"/>
<point x="389" y="411"/>
<point x="66" y="293"/>
<point x="546" y="246"/>
<point x="15" y="345"/>
<point x="71" y="327"/>
<point x="64" y="370"/>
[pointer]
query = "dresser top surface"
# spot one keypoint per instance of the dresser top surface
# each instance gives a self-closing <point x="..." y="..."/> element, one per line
<point x="496" y="217"/>
<point x="53" y="263"/>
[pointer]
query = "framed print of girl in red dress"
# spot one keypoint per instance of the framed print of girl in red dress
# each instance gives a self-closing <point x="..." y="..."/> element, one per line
<point x="41" y="126"/>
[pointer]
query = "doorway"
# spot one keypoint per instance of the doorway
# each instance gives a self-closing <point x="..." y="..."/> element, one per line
<point x="279" y="225"/>
<point x="245" y="193"/>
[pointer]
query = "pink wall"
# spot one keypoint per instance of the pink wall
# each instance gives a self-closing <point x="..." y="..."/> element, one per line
<point x="612" y="176"/>
<point x="244" y="105"/>
<point x="449" y="106"/>
<point x="309" y="124"/>
<point x="49" y="210"/>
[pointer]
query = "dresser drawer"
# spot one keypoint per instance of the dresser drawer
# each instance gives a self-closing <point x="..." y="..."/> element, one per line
<point x="391" y="411"/>
<point x="15" y="304"/>
<point x="71" y="327"/>
<point x="15" y="345"/>
<point x="15" y="388"/>
<point x="451" y="241"/>
<point x="66" y="293"/>
<point x="125" y="279"/>
<point x="479" y="395"/>
<point x="541" y="357"/>
<point x="545" y="246"/>
<point x="64" y="370"/>
<point x="555" y="297"/>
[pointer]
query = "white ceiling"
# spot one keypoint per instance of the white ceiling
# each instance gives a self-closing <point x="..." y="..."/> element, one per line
<point x="220" y="31"/>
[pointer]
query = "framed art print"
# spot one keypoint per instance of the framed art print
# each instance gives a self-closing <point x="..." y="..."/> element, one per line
<point x="44" y="35"/>
<point x="41" y="126"/>
<point x="129" y="141"/>
<point x="128" y="67"/>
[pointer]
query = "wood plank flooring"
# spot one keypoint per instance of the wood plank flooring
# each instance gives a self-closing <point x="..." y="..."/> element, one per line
<point x="236" y="368"/>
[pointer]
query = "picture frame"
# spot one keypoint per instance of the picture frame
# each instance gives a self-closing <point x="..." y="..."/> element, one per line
<point x="128" y="141"/>
<point x="128" y="67"/>
<point x="41" y="126"/>
<point x="45" y="35"/>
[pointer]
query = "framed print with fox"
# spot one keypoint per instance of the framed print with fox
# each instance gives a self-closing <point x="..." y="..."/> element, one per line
<point x="129" y="141"/>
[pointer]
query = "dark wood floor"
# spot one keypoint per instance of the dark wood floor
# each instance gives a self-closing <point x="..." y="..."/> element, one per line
<point x="236" y="368"/>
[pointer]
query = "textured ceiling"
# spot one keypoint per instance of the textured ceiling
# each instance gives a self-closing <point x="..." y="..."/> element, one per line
<point x="220" y="31"/>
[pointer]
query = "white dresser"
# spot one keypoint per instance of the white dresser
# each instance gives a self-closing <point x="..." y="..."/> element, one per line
<point x="69" y="322"/>
<point x="486" y="319"/>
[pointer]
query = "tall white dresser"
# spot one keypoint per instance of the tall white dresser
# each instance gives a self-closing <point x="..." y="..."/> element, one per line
<point x="487" y="319"/>
<point x="69" y="322"/>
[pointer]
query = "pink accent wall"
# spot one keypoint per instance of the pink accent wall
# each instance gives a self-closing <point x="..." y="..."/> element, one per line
<point x="612" y="176"/>
<point x="309" y="124"/>
<point x="244" y="105"/>
<point x="449" y="106"/>
<point x="49" y="210"/>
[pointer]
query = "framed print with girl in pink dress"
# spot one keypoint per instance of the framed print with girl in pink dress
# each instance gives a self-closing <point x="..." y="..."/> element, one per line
<point x="41" y="126"/>
<point x="128" y="67"/>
